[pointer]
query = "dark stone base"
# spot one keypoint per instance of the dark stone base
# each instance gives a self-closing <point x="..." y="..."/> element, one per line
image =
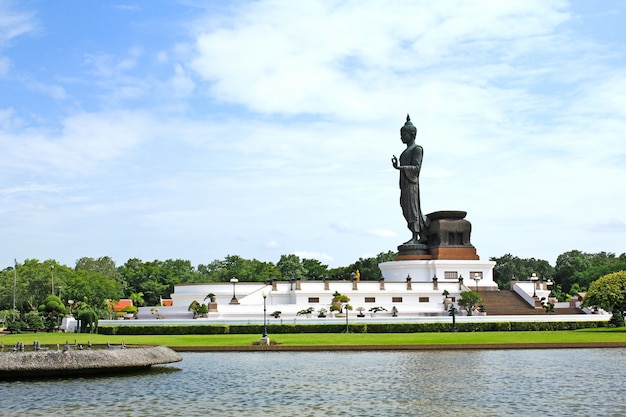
<point x="413" y="251"/>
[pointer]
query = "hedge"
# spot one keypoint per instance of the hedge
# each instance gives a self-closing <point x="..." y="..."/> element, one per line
<point x="339" y="328"/>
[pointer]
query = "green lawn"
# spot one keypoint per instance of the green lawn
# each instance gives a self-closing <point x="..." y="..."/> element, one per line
<point x="321" y="339"/>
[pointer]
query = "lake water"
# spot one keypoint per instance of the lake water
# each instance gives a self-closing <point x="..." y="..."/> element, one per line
<point x="568" y="382"/>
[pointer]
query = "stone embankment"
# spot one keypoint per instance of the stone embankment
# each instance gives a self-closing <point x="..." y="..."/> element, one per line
<point x="17" y="363"/>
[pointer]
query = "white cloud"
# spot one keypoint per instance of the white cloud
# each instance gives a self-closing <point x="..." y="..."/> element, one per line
<point x="357" y="64"/>
<point x="320" y="256"/>
<point x="181" y="85"/>
<point x="55" y="91"/>
<point x="14" y="23"/>
<point x="271" y="244"/>
<point x="84" y="142"/>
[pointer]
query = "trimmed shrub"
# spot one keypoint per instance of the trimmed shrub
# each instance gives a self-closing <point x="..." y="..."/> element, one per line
<point x="340" y="328"/>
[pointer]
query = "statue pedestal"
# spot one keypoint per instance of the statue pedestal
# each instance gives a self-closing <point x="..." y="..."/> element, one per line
<point x="447" y="238"/>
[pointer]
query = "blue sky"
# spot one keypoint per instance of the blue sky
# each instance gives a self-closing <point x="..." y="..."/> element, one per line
<point x="197" y="129"/>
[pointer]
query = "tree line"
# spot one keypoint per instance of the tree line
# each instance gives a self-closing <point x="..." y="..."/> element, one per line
<point x="93" y="282"/>
<point x="573" y="272"/>
<point x="25" y="285"/>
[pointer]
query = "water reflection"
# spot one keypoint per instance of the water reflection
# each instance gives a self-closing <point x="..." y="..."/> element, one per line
<point x="398" y="383"/>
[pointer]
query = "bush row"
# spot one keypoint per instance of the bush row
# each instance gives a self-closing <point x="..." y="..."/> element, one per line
<point x="338" y="328"/>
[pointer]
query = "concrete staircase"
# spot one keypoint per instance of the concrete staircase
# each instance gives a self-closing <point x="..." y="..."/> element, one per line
<point x="505" y="303"/>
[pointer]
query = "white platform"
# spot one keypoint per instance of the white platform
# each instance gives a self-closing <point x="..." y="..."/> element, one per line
<point x="424" y="271"/>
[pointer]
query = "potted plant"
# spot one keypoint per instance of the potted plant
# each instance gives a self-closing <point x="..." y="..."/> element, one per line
<point x="306" y="312"/>
<point x="447" y="300"/>
<point x="339" y="300"/>
<point x="375" y="310"/>
<point x="469" y="300"/>
<point x="119" y="315"/>
<point x="203" y="310"/>
<point x="211" y="297"/>
<point x="337" y="297"/>
<point x="276" y="314"/>
<point x="482" y="311"/>
<point x="194" y="307"/>
<point x="360" y="310"/>
<point x="394" y="312"/>
<point x="322" y="312"/>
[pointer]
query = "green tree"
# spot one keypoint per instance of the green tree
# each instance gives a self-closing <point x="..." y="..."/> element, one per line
<point x="52" y="309"/>
<point x="83" y="285"/>
<point x="602" y="263"/>
<point x="154" y="279"/>
<point x="7" y="317"/>
<point x="567" y="265"/>
<point x="469" y="300"/>
<point x="576" y="267"/>
<point x="133" y="272"/>
<point x="368" y="267"/>
<point x="339" y="273"/>
<point x="238" y="267"/>
<point x="104" y="266"/>
<point x="509" y="266"/>
<point x="35" y="281"/>
<point x="211" y="272"/>
<point x="291" y="267"/>
<point x="34" y="321"/>
<point x="608" y="292"/>
<point x="137" y="299"/>
<point x="177" y="271"/>
<point x="315" y="269"/>
<point x="7" y="277"/>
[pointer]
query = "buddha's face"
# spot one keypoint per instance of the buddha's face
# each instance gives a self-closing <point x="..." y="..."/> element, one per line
<point x="407" y="136"/>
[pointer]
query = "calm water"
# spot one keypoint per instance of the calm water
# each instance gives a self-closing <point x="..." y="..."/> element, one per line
<point x="579" y="382"/>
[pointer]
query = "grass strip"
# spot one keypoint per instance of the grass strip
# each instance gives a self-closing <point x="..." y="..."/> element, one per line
<point x="601" y="335"/>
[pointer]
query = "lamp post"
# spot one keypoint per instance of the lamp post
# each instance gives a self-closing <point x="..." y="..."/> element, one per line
<point x="265" y="340"/>
<point x="264" y="314"/>
<point x="70" y="304"/>
<point x="452" y="312"/>
<point x="346" y="310"/>
<point x="234" y="281"/>
<point x="52" y="273"/>
<point x="534" y="279"/>
<point x="476" y="278"/>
